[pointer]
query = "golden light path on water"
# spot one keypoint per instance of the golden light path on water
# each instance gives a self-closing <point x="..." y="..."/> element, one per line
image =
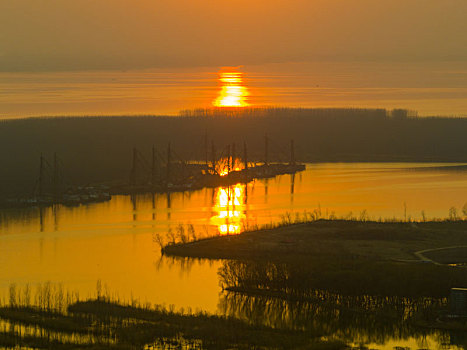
<point x="233" y="92"/>
<point x="115" y="241"/>
<point x="230" y="209"/>
<point x="431" y="88"/>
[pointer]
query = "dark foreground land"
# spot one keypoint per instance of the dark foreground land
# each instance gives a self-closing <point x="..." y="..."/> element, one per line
<point x="370" y="281"/>
<point x="332" y="238"/>
<point x="97" y="150"/>
<point x="346" y="257"/>
<point x="320" y="285"/>
<point x="101" y="324"/>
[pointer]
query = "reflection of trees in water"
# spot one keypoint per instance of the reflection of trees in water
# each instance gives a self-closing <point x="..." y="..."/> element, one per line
<point x="277" y="298"/>
<point x="298" y="274"/>
<point x="181" y="264"/>
<point x="184" y="265"/>
<point x="350" y="324"/>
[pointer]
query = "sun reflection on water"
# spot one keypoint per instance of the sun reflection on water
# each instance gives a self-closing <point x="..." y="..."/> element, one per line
<point x="233" y="92"/>
<point x="230" y="209"/>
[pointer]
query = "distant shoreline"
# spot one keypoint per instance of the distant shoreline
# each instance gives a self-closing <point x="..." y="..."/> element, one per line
<point x="98" y="150"/>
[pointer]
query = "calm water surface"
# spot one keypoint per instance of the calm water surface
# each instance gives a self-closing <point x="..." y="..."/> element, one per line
<point x="116" y="241"/>
<point x="430" y="88"/>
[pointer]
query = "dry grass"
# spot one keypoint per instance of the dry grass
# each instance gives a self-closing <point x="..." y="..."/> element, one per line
<point x="328" y="238"/>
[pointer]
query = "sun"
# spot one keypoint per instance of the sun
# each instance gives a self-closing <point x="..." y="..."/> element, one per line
<point x="233" y="92"/>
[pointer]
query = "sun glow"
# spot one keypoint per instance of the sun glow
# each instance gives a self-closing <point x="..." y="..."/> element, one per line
<point x="233" y="92"/>
<point x="230" y="208"/>
<point x="228" y="164"/>
<point x="223" y="172"/>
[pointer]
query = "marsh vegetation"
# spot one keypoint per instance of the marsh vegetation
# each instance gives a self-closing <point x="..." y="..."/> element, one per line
<point x="363" y="268"/>
<point x="63" y="321"/>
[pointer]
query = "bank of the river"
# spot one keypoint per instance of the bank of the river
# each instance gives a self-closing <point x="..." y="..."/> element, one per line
<point x="365" y="271"/>
<point x="348" y="257"/>
<point x="103" y="324"/>
<point x="376" y="240"/>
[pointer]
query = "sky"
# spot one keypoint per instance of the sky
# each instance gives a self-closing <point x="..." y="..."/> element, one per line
<point x="64" y="35"/>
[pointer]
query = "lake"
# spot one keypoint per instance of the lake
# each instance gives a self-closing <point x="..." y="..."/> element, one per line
<point x="116" y="242"/>
<point x="431" y="88"/>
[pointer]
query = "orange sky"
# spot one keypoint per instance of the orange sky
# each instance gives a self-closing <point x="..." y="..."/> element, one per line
<point x="127" y="34"/>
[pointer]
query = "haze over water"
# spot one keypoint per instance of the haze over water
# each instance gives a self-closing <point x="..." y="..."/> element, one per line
<point x="431" y="88"/>
<point x="368" y="275"/>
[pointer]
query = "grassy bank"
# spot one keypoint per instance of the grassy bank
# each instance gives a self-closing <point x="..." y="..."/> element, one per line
<point x="354" y="279"/>
<point x="330" y="238"/>
<point x="101" y="324"/>
<point x="348" y="257"/>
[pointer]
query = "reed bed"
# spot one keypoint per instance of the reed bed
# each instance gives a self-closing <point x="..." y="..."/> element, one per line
<point x="54" y="321"/>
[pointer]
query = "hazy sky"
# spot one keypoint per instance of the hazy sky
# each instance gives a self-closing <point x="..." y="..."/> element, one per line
<point x="130" y="34"/>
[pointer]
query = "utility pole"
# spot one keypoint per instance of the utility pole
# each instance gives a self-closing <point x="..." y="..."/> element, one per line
<point x="213" y="155"/>
<point x="292" y="153"/>
<point x="133" y="167"/>
<point x="41" y="175"/>
<point x="234" y="156"/>
<point x="228" y="159"/>
<point x="55" y="179"/>
<point x="168" y="163"/>
<point x="266" y="145"/>
<point x="245" y="156"/>
<point x="154" y="166"/>
<point x="206" y="149"/>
